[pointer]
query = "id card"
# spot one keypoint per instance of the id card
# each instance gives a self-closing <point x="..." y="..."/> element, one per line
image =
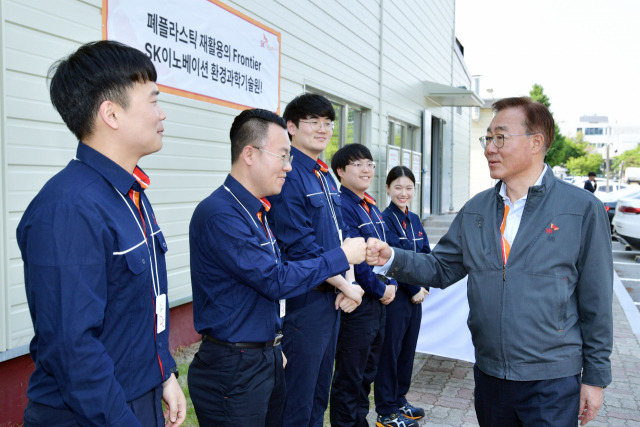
<point x="161" y="313"/>
<point x="283" y="307"/>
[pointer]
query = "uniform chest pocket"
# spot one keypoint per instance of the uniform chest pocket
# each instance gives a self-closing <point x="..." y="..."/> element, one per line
<point x="555" y="246"/>
<point x="367" y="230"/>
<point x="479" y="236"/>
<point x="161" y="242"/>
<point x="138" y="259"/>
<point x="318" y="200"/>
<point x="336" y="199"/>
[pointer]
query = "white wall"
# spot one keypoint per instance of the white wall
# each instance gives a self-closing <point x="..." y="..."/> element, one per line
<point x="479" y="177"/>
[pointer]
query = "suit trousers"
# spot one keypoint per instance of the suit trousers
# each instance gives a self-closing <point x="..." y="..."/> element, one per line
<point x="544" y="403"/>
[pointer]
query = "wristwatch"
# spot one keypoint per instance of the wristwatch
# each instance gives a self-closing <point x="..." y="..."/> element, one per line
<point x="175" y="372"/>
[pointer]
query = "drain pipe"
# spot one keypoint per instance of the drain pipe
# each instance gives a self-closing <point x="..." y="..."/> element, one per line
<point x="381" y="133"/>
<point x="453" y="47"/>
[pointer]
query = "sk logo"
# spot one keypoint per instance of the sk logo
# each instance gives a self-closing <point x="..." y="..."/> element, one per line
<point x="552" y="229"/>
<point x="419" y="233"/>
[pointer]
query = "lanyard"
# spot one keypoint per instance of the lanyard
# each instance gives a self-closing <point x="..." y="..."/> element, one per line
<point x="266" y="223"/>
<point x="384" y="235"/>
<point x="413" y="235"/>
<point x="506" y="248"/>
<point x="325" y="189"/>
<point x="155" y="278"/>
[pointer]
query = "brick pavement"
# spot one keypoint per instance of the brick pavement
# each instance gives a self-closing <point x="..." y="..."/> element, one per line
<point x="444" y="387"/>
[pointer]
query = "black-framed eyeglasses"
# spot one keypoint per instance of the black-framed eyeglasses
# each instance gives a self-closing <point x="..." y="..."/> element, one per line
<point x="498" y="139"/>
<point x="317" y="125"/>
<point x="286" y="158"/>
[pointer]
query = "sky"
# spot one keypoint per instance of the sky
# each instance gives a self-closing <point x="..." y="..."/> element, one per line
<point x="584" y="53"/>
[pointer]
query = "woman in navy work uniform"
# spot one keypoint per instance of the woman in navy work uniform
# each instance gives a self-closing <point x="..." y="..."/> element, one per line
<point x="405" y="312"/>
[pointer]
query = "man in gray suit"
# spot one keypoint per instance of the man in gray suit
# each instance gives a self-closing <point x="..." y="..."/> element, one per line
<point x="538" y="255"/>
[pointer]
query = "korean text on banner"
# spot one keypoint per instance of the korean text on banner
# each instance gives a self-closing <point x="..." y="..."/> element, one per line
<point x="202" y="49"/>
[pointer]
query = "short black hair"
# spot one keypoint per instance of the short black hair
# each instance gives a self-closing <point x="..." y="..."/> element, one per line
<point x="349" y="153"/>
<point x="398" y="171"/>
<point x="591" y="174"/>
<point x="251" y="127"/>
<point x="308" y="105"/>
<point x="96" y="72"/>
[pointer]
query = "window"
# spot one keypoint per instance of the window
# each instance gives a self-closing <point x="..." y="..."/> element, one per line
<point x="335" y="143"/>
<point x="593" y="131"/>
<point x="349" y="128"/>
<point x="404" y="136"/>
<point x="407" y="151"/>
<point x="398" y="135"/>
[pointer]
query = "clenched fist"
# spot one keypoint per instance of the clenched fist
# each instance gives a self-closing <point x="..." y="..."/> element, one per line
<point x="355" y="249"/>
<point x="378" y="252"/>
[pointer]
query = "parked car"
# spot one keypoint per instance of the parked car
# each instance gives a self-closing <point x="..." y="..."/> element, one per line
<point x="632" y="174"/>
<point x="626" y="222"/>
<point x="610" y="200"/>
<point x="613" y="186"/>
<point x="601" y="184"/>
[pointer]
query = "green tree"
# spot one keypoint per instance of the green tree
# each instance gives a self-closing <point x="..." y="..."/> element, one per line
<point x="630" y="158"/>
<point x="584" y="164"/>
<point x="558" y="152"/>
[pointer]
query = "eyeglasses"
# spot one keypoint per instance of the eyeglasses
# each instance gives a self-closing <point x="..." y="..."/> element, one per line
<point x="286" y="158"/>
<point x="498" y="139"/>
<point x="359" y="165"/>
<point x="316" y="125"/>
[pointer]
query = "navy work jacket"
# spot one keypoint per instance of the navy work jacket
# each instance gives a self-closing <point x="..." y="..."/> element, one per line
<point x="236" y="272"/>
<point x="90" y="277"/>
<point x="405" y="232"/>
<point x="365" y="224"/>
<point x="303" y="213"/>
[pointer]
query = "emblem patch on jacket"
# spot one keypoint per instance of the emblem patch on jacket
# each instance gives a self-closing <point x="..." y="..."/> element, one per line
<point x="552" y="229"/>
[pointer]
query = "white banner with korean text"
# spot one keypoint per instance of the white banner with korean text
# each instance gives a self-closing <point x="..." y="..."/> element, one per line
<point x="202" y="49"/>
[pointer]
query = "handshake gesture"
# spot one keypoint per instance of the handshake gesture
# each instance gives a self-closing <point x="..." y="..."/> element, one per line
<point x="378" y="252"/>
<point x="374" y="251"/>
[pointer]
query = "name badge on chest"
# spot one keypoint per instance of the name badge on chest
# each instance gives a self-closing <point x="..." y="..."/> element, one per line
<point x="161" y="313"/>
<point x="283" y="307"/>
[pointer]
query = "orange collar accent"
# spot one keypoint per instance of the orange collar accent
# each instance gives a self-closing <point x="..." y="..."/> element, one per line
<point x="141" y="177"/>
<point x="323" y="166"/>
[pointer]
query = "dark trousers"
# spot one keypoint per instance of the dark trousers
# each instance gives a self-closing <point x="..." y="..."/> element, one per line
<point x="358" y="351"/>
<point x="233" y="386"/>
<point x="310" y="333"/>
<point x="505" y="403"/>
<point x="396" y="359"/>
<point x="147" y="409"/>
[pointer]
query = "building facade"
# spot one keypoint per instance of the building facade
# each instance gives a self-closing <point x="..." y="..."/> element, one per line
<point x="599" y="133"/>
<point x="393" y="69"/>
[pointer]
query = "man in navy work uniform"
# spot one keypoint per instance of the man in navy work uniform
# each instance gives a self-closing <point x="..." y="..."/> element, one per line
<point x="240" y="282"/>
<point x="538" y="254"/>
<point x="94" y="255"/>
<point x="362" y="331"/>
<point x="308" y="222"/>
